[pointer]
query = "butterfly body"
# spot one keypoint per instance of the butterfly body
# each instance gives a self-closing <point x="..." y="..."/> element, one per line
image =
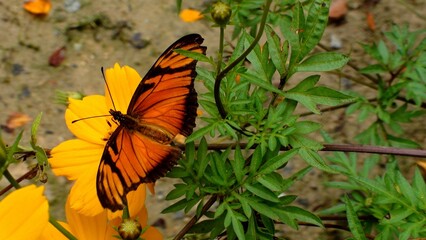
<point x="153" y="132"/>
<point x="164" y="104"/>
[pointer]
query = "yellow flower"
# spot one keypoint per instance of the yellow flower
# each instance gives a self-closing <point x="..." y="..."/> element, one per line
<point x="190" y="15"/>
<point x="95" y="227"/>
<point x="24" y="213"/>
<point x="78" y="159"/>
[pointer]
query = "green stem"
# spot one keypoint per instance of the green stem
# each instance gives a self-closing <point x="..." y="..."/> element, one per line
<point x="223" y="73"/>
<point x="12" y="180"/>
<point x="61" y="229"/>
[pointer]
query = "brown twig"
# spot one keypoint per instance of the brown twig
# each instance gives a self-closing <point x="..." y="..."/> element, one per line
<point x="408" y="152"/>
<point x="30" y="174"/>
<point x="194" y="219"/>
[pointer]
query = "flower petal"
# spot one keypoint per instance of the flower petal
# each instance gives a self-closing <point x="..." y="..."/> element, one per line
<point x="83" y="197"/>
<point x="88" y="227"/>
<point x="94" y="130"/>
<point x="74" y="157"/>
<point x="50" y="232"/>
<point x="24" y="213"/>
<point x="122" y="82"/>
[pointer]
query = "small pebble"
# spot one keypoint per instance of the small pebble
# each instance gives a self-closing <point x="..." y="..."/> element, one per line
<point x="17" y="69"/>
<point x="335" y="42"/>
<point x="72" y="5"/>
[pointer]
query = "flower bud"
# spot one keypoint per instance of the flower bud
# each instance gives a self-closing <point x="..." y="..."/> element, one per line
<point x="221" y="13"/>
<point x="129" y="229"/>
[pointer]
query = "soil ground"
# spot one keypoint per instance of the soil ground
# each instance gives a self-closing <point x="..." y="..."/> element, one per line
<point x="101" y="33"/>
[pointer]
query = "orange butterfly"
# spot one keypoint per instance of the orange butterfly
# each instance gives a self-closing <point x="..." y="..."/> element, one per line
<point x="163" y="105"/>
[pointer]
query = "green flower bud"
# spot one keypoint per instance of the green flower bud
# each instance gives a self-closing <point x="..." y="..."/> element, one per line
<point x="221" y="13"/>
<point x="129" y="229"/>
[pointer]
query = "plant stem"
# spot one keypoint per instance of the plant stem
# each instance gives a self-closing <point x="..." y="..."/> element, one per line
<point x="194" y="219"/>
<point x="407" y="152"/>
<point x="61" y="229"/>
<point x="223" y="73"/>
<point x="30" y="174"/>
<point x="12" y="180"/>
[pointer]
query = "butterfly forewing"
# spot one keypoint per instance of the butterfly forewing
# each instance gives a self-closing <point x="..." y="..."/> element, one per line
<point x="163" y="105"/>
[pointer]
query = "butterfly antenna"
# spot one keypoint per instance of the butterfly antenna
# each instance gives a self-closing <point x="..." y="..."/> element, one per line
<point x="109" y="91"/>
<point x="78" y="120"/>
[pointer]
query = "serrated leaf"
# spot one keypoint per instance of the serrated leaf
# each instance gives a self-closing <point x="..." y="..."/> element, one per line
<point x="256" y="160"/>
<point x="321" y="62"/>
<point x="353" y="221"/>
<point x="200" y="132"/>
<point x="179" y="191"/>
<point x="261" y="192"/>
<point x="238" y="164"/>
<point x="176" y="206"/>
<point x="315" y="160"/>
<point x="262" y="208"/>
<point x="277" y="161"/>
<point x="277" y="53"/>
<point x="419" y="187"/>
<point x="202" y="158"/>
<point x="315" y="25"/>
<point x="272" y="181"/>
<point x="303" y="215"/>
<point x="261" y="83"/>
<point x="194" y="55"/>
<point x="34" y="129"/>
<point x="405" y="188"/>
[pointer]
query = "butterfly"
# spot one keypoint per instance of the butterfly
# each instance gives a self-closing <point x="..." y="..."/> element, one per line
<point x="163" y="105"/>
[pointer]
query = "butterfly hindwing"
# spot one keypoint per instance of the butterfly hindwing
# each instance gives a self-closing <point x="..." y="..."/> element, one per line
<point x="163" y="105"/>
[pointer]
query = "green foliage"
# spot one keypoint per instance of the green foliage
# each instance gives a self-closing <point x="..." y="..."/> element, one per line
<point x="401" y="67"/>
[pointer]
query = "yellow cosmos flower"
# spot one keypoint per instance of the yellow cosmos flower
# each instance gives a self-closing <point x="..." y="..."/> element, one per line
<point x="95" y="227"/>
<point x="24" y="213"/>
<point x="190" y="15"/>
<point x="78" y="159"/>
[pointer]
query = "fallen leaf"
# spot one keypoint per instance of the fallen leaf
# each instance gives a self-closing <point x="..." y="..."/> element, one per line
<point x="38" y="7"/>
<point x="338" y="10"/>
<point x="190" y="15"/>
<point x="57" y="57"/>
<point x="16" y="120"/>
<point x="370" y="21"/>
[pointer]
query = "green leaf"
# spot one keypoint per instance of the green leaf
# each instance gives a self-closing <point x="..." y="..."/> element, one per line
<point x="321" y="62"/>
<point x="262" y="208"/>
<point x="316" y="22"/>
<point x="373" y="69"/>
<point x="419" y="187"/>
<point x="194" y="55"/>
<point x="277" y="52"/>
<point x="180" y="190"/>
<point x="261" y="83"/>
<point x="201" y="132"/>
<point x="277" y="161"/>
<point x="315" y="160"/>
<point x="272" y="181"/>
<point x="256" y="160"/>
<point x="303" y="215"/>
<point x="405" y="188"/>
<point x="34" y="129"/>
<point x="176" y="206"/>
<point x="202" y="158"/>
<point x="238" y="164"/>
<point x="238" y="228"/>
<point x="353" y="221"/>
<point x="261" y="192"/>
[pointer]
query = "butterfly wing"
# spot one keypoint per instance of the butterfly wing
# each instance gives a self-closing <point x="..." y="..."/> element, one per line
<point x="127" y="158"/>
<point x="166" y="101"/>
<point x="166" y="96"/>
